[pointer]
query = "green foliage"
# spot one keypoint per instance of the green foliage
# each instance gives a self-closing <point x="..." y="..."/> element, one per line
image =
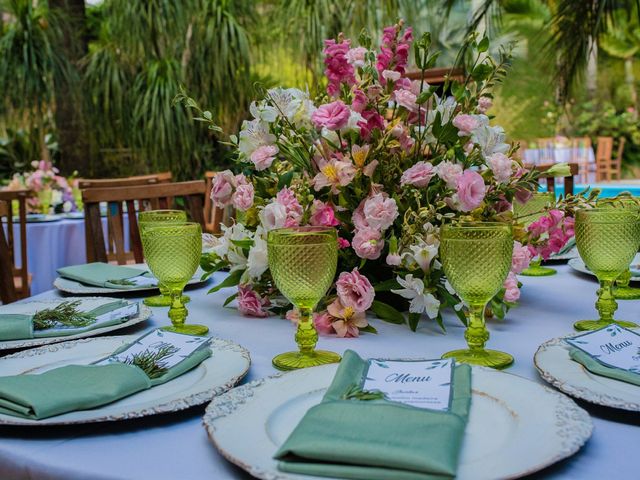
<point x="65" y="314"/>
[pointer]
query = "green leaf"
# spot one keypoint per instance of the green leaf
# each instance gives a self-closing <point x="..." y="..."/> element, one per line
<point x="387" y="313"/>
<point x="285" y="180"/>
<point x="440" y="322"/>
<point x="414" y="319"/>
<point x="244" y="243"/>
<point x="483" y="46"/>
<point x="369" y="329"/>
<point x="232" y="280"/>
<point x="230" y="299"/>
<point x="481" y="72"/>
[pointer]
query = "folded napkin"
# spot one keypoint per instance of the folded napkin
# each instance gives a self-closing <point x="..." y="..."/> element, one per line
<point x="81" y="387"/>
<point x="106" y="275"/>
<point x="567" y="246"/>
<point x="635" y="270"/>
<point x="17" y="324"/>
<point x="377" y="439"/>
<point x="598" y="368"/>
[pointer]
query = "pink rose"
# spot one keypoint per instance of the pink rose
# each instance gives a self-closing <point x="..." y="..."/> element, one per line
<point x="355" y="290"/>
<point x="484" y="104"/>
<point x="449" y="172"/>
<point x="501" y="166"/>
<point x="419" y="175"/>
<point x="242" y="198"/>
<point x="359" y="102"/>
<point x="323" y="215"/>
<point x="380" y="211"/>
<point x="343" y="243"/>
<point x="356" y="56"/>
<point x="333" y="116"/>
<point x="250" y="303"/>
<point x="465" y="124"/>
<point x="520" y="259"/>
<point x="263" y="156"/>
<point x="368" y="243"/>
<point x="222" y="188"/>
<point x="406" y="99"/>
<point x="470" y="189"/>
<point x="288" y="199"/>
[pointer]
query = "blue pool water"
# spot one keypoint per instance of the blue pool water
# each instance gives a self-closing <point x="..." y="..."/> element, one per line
<point x="606" y="190"/>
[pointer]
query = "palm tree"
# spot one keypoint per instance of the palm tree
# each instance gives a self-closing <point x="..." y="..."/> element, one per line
<point x="623" y="42"/>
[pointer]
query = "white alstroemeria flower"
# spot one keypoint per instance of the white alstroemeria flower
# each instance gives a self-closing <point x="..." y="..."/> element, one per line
<point x="491" y="139"/>
<point x="236" y="259"/>
<point x="423" y="253"/>
<point x="223" y="245"/>
<point x="257" y="262"/>
<point x="330" y="135"/>
<point x="254" y="134"/>
<point x="264" y="112"/>
<point x="209" y="242"/>
<point x="420" y="301"/>
<point x="352" y="124"/>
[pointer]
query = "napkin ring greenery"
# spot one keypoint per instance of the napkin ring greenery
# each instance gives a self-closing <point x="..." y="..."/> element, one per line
<point x="125" y="282"/>
<point x="153" y="363"/>
<point x="65" y="314"/>
<point x="355" y="392"/>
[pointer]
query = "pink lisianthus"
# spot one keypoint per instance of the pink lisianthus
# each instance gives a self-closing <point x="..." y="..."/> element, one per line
<point x="222" y="188"/>
<point x="355" y="290"/>
<point x="322" y="321"/>
<point x="465" y="124"/>
<point x="520" y="259"/>
<point x="380" y="211"/>
<point x="288" y="199"/>
<point x="418" y="175"/>
<point x="501" y="166"/>
<point x="323" y="215"/>
<point x="368" y="243"/>
<point x="512" y="292"/>
<point x="242" y="198"/>
<point x="333" y="116"/>
<point x="338" y="69"/>
<point x="484" y="104"/>
<point x="250" y="303"/>
<point x="470" y="190"/>
<point x="263" y="156"/>
<point x="347" y="321"/>
<point x="359" y="102"/>
<point x="343" y="243"/>
<point x="357" y="217"/>
<point x="334" y="173"/>
<point x="406" y="99"/>
<point x="449" y="172"/>
<point x="569" y="226"/>
<point x="372" y="121"/>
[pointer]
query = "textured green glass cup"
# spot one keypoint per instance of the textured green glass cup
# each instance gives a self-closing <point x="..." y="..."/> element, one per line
<point x="303" y="262"/>
<point x="158" y="217"/>
<point x="173" y="255"/>
<point x="607" y="239"/>
<point x="528" y="213"/>
<point x="44" y="199"/>
<point x="476" y="258"/>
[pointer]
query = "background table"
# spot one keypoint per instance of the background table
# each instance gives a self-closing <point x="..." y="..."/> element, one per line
<point x="175" y="446"/>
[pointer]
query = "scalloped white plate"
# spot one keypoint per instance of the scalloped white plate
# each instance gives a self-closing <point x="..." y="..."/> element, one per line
<point x="508" y="434"/>
<point x="224" y="369"/>
<point x="578" y="265"/>
<point x="556" y="367"/>
<point x="143" y="315"/>
<point x="71" y="286"/>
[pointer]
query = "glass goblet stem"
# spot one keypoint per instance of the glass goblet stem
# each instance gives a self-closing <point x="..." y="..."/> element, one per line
<point x="476" y="333"/>
<point x="306" y="334"/>
<point x="177" y="312"/>
<point x="606" y="303"/>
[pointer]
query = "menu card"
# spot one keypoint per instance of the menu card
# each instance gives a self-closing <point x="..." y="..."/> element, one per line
<point x="612" y="346"/>
<point x="419" y="383"/>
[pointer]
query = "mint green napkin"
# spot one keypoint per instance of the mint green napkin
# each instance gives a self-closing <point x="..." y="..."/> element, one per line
<point x="14" y="326"/>
<point x="597" y="368"/>
<point x="81" y="387"/>
<point x="102" y="274"/>
<point x="377" y="439"/>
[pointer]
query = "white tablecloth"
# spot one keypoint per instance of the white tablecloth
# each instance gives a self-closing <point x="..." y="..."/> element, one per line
<point x="175" y="446"/>
<point x="538" y="156"/>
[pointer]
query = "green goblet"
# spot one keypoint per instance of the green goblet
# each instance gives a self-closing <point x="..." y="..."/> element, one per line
<point x="607" y="240"/>
<point x="476" y="258"/>
<point x="159" y="217"/>
<point x="303" y="263"/>
<point x="529" y="212"/>
<point x="173" y="254"/>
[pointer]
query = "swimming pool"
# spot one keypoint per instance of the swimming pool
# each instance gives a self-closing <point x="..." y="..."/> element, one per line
<point x="607" y="190"/>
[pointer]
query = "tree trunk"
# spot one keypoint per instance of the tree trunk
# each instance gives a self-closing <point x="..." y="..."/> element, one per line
<point x="630" y="80"/>
<point x="592" y="68"/>
<point x="73" y="139"/>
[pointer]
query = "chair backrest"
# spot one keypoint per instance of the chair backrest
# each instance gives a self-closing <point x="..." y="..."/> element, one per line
<point x="616" y="162"/>
<point x="156" y="196"/>
<point x="569" y="181"/>
<point x="604" y="150"/>
<point x="214" y="216"/>
<point x="7" y="258"/>
<point x="162" y="177"/>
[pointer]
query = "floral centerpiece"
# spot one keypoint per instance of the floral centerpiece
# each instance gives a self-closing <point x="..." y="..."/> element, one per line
<point x="386" y="161"/>
<point x="50" y="188"/>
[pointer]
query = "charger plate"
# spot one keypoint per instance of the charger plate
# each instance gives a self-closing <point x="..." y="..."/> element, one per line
<point x="578" y="265"/>
<point x="218" y="373"/>
<point x="508" y="436"/>
<point x="556" y="367"/>
<point x="71" y="286"/>
<point x="143" y="315"/>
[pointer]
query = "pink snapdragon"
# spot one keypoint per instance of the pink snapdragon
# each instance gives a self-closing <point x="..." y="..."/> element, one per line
<point x="380" y="211"/>
<point x="368" y="243"/>
<point x="550" y="233"/>
<point x="419" y="175"/>
<point x="359" y="102"/>
<point x="520" y="258"/>
<point x="343" y="243"/>
<point x="323" y="215"/>
<point x="484" y="104"/>
<point x="470" y="190"/>
<point x="356" y="56"/>
<point x="465" y="124"/>
<point x="372" y="121"/>
<point x="333" y="116"/>
<point x="338" y="68"/>
<point x="512" y="292"/>
<point x="394" y="50"/>
<point x="355" y="290"/>
<point x="250" y="303"/>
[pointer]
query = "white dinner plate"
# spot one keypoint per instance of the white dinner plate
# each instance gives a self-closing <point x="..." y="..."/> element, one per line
<point x="578" y="265"/>
<point x="516" y="427"/>
<point x="221" y="371"/>
<point x="71" y="286"/>
<point x="573" y="253"/>
<point x="143" y="315"/>
<point x="556" y="367"/>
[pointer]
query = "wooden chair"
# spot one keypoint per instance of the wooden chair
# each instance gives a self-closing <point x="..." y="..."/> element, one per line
<point x="604" y="150"/>
<point x="551" y="181"/>
<point x="616" y="163"/>
<point x="214" y="216"/>
<point x="20" y="279"/>
<point x="163" y="177"/>
<point x="157" y="196"/>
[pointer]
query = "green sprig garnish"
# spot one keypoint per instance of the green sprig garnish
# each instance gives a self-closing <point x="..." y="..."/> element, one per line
<point x="125" y="282"/>
<point x="357" y="393"/>
<point x="65" y="314"/>
<point x="152" y="362"/>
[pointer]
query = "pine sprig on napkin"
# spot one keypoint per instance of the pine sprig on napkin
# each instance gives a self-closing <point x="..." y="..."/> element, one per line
<point x="125" y="282"/>
<point x="152" y="362"/>
<point x="65" y="314"/>
<point x="357" y="393"/>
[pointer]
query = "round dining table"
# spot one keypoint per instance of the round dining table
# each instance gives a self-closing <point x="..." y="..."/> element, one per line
<point x="175" y="446"/>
